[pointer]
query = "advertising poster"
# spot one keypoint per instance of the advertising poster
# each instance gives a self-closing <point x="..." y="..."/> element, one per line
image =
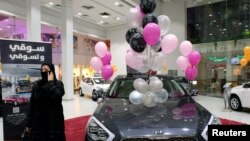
<point x="21" y="62"/>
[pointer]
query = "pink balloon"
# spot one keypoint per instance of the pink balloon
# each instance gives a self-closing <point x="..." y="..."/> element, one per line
<point x="151" y="33"/>
<point x="96" y="63"/>
<point x="191" y="73"/>
<point x="107" y="58"/>
<point x="107" y="72"/>
<point x="139" y="9"/>
<point x="194" y="58"/>
<point x="186" y="48"/>
<point x="169" y="43"/>
<point x="134" y="60"/>
<point x="182" y="62"/>
<point x="101" y="49"/>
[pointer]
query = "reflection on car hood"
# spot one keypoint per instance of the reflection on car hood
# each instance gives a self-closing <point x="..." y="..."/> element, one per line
<point x="173" y="118"/>
<point x="103" y="86"/>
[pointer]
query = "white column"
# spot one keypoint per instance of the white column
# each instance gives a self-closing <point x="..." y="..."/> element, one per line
<point x="67" y="49"/>
<point x="33" y="20"/>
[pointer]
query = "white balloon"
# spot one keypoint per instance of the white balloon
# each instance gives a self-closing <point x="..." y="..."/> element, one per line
<point x="148" y="99"/>
<point x="152" y="78"/>
<point x="165" y="23"/>
<point x="162" y="96"/>
<point x="158" y="60"/>
<point x="140" y="85"/>
<point x="156" y="47"/>
<point x="155" y="85"/>
<point x="134" y="18"/>
<point x="135" y="97"/>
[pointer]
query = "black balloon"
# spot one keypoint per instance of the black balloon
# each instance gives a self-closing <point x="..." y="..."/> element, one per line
<point x="130" y="33"/>
<point x="147" y="6"/>
<point x="149" y="18"/>
<point x="137" y="43"/>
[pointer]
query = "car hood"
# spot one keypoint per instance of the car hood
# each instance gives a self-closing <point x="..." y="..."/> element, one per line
<point x="103" y="86"/>
<point x="237" y="87"/>
<point x="173" y="118"/>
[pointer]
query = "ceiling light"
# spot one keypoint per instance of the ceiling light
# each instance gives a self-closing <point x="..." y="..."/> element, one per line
<point x="211" y="34"/>
<point x="209" y="2"/>
<point x="210" y="15"/>
<point x="214" y="21"/>
<point x="224" y="29"/>
<point x="51" y="3"/>
<point x="8" y="26"/>
<point x="101" y="22"/>
<point x="105" y="16"/>
<point x="117" y="18"/>
<point x="1" y="29"/>
<point x="240" y="23"/>
<point x="117" y="3"/>
<point x="80" y="14"/>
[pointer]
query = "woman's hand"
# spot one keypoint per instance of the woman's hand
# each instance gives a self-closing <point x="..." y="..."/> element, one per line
<point x="27" y="129"/>
<point x="50" y="76"/>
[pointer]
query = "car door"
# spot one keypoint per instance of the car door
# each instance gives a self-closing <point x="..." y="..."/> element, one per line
<point x="89" y="87"/>
<point x="246" y="96"/>
<point x="84" y="86"/>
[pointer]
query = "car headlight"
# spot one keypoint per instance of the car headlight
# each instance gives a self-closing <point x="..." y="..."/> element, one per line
<point x="98" y="132"/>
<point x="213" y="121"/>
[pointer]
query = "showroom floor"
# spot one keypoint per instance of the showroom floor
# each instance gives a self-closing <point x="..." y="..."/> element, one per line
<point x="85" y="106"/>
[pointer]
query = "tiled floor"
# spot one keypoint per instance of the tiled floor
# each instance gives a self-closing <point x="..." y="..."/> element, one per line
<point x="85" y="106"/>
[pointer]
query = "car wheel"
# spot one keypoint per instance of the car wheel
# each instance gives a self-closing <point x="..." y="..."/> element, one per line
<point x="235" y="103"/>
<point x="80" y="92"/>
<point x="94" y="96"/>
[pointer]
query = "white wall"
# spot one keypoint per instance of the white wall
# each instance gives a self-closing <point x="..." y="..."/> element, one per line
<point x="118" y="46"/>
<point x="176" y="11"/>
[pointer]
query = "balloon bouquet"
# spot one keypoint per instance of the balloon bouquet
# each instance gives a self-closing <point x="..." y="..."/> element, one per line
<point x="244" y="61"/>
<point x="189" y="60"/>
<point x="101" y="63"/>
<point x="150" y="45"/>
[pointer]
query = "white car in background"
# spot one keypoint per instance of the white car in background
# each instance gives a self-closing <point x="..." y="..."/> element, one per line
<point x="240" y="97"/>
<point x="89" y="85"/>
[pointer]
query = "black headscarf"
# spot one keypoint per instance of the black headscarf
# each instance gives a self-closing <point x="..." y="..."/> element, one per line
<point x="52" y="69"/>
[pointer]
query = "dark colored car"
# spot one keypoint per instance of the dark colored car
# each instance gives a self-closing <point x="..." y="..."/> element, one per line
<point x="23" y="86"/>
<point x="187" y="85"/>
<point x="6" y="84"/>
<point x="179" y="118"/>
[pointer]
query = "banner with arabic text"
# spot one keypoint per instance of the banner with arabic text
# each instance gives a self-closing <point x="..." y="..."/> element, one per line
<point x="24" y="52"/>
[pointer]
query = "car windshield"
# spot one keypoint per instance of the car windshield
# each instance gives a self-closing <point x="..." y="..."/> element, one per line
<point x="121" y="88"/>
<point x="98" y="80"/>
<point x="21" y="82"/>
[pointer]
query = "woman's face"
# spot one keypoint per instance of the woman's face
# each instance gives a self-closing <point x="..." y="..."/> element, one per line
<point x="45" y="68"/>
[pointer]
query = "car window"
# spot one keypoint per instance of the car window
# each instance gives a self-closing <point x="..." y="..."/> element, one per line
<point x="98" y="80"/>
<point x="121" y="88"/>
<point x="85" y="80"/>
<point x="21" y="82"/>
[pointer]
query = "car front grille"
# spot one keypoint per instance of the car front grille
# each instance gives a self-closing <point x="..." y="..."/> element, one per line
<point x="169" y="139"/>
